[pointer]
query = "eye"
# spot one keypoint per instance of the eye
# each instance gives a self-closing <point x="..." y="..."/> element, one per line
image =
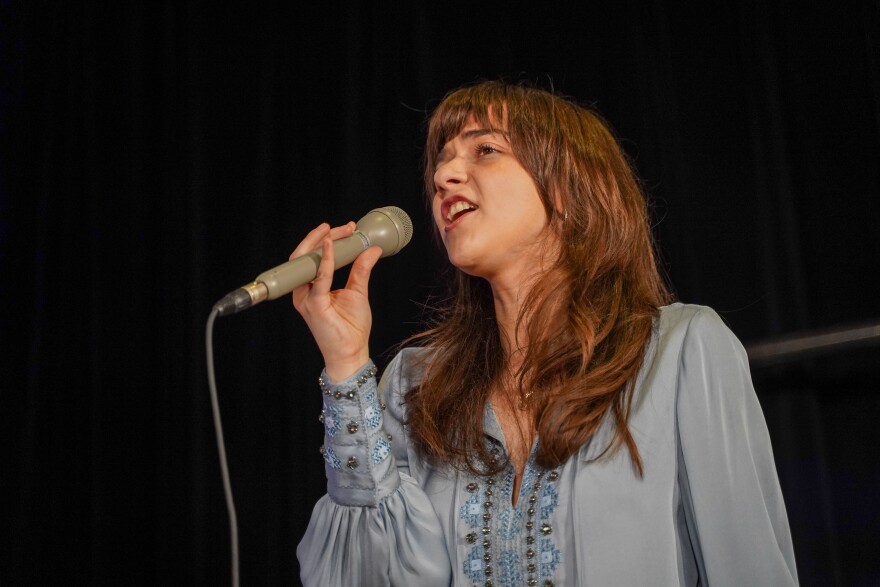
<point x="485" y="149"/>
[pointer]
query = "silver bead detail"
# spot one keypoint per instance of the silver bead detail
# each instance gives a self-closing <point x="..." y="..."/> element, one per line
<point x="352" y="427"/>
<point x="366" y="376"/>
<point x="325" y="387"/>
<point x="531" y="566"/>
<point x="352" y="463"/>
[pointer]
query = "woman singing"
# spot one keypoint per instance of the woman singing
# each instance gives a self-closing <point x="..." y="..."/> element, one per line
<point x="560" y="423"/>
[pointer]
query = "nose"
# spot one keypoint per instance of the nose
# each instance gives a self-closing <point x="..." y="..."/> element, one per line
<point x="450" y="173"/>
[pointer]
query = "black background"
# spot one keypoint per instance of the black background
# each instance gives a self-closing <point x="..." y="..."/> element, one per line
<point x="157" y="155"/>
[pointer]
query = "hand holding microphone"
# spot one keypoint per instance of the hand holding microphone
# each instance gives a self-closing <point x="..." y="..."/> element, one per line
<point x="389" y="228"/>
<point x="340" y="320"/>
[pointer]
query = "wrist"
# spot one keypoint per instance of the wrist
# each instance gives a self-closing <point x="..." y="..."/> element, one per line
<point x="338" y="371"/>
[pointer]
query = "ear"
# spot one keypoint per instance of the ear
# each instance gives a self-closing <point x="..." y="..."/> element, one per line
<point x="559" y="206"/>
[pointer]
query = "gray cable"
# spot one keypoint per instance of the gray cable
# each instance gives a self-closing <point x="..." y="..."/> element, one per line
<point x="218" y="428"/>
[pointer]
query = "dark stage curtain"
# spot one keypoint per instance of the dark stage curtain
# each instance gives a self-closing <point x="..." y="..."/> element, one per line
<point x="157" y="155"/>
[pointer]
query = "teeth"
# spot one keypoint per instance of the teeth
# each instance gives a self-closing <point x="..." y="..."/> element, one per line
<point x="457" y="207"/>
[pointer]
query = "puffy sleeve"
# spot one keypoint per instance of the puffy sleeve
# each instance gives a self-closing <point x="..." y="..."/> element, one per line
<point x="733" y="505"/>
<point x="375" y="526"/>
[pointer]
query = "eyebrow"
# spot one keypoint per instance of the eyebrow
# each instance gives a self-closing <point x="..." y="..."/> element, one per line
<point x="478" y="132"/>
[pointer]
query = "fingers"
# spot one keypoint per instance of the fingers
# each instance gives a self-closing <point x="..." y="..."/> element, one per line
<point x="324" y="277"/>
<point x="321" y="236"/>
<point x="322" y="231"/>
<point x="320" y="285"/>
<point x="359" y="277"/>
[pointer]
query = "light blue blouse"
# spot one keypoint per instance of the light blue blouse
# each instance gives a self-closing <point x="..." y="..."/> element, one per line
<point x="708" y="510"/>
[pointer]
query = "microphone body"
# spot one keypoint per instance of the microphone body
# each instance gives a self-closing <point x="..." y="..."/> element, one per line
<point x="390" y="228"/>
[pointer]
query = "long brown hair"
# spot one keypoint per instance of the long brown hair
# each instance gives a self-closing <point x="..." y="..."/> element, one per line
<point x="588" y="319"/>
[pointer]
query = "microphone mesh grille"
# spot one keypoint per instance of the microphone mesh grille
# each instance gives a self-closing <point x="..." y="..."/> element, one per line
<point x="404" y="220"/>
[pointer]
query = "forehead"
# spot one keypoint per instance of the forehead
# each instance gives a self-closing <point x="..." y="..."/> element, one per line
<point x="473" y="128"/>
<point x="453" y="115"/>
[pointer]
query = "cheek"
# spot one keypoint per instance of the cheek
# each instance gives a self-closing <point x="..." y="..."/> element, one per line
<point x="435" y="210"/>
<point x="438" y="222"/>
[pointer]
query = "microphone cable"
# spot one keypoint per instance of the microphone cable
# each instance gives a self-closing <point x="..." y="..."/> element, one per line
<point x="218" y="429"/>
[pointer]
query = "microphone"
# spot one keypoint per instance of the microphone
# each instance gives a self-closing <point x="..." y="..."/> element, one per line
<point x="390" y="228"/>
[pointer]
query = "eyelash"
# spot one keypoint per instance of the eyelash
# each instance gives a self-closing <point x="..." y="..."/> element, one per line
<point x="484" y="149"/>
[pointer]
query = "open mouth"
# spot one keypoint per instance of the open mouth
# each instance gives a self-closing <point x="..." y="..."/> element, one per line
<point x="459" y="209"/>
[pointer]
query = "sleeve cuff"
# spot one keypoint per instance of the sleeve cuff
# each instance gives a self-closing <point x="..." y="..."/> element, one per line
<point x="357" y="450"/>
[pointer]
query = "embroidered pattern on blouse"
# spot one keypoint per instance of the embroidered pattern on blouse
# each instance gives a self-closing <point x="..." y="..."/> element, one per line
<point x="331" y="459"/>
<point x="381" y="450"/>
<point x="510" y="569"/>
<point x="372" y="417"/>
<point x="472" y="509"/>
<point x="332" y="419"/>
<point x="372" y="414"/>
<point x="550" y="557"/>
<point x="473" y="565"/>
<point x="503" y="553"/>
<point x="509" y="523"/>
<point x="549" y="500"/>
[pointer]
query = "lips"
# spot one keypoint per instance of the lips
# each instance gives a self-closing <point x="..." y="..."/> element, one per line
<point x="456" y="207"/>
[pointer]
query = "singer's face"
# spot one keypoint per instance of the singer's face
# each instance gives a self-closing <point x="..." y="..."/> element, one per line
<point x="487" y="207"/>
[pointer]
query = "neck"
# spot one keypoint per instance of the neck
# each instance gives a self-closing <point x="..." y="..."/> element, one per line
<point x="509" y="303"/>
<point x="511" y="286"/>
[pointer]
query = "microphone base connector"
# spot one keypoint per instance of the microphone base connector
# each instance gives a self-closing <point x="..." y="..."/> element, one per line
<point x="242" y="298"/>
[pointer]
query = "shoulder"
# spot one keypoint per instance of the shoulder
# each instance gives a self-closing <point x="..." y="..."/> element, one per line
<point x="690" y="317"/>
<point x="689" y="339"/>
<point x="705" y="361"/>
<point x="681" y="328"/>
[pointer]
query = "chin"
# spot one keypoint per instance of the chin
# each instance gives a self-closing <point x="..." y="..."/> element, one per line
<point x="462" y="264"/>
<point x="472" y="269"/>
